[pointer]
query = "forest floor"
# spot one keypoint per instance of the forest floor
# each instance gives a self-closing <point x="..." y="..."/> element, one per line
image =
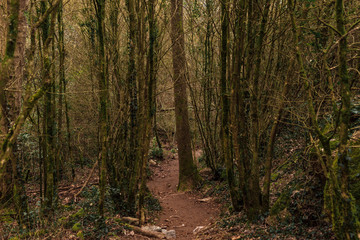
<point x="184" y="212"/>
<point x="203" y="214"/>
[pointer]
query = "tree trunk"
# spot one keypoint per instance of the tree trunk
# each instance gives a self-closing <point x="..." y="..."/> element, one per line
<point x="12" y="72"/>
<point x="338" y="200"/>
<point x="61" y="155"/>
<point x="225" y="125"/>
<point x="48" y="31"/>
<point x="103" y="97"/>
<point x="344" y="213"/>
<point x="188" y="175"/>
<point x="132" y="88"/>
<point x="238" y="113"/>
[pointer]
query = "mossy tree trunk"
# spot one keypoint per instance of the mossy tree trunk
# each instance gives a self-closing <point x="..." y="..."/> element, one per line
<point x="144" y="123"/>
<point x="133" y="151"/>
<point x="225" y="103"/>
<point x="238" y="113"/>
<point x="188" y="175"/>
<point x="49" y="153"/>
<point x="255" y="191"/>
<point x="103" y="101"/>
<point x="7" y="66"/>
<point x="7" y="145"/>
<point x="11" y="72"/>
<point x="148" y="102"/>
<point x="61" y="155"/>
<point x="3" y="27"/>
<point x="338" y="200"/>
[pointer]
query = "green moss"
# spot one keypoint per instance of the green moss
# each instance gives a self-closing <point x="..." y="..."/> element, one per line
<point x="274" y="176"/>
<point x="354" y="166"/>
<point x="80" y="235"/>
<point x="69" y="221"/>
<point x="77" y="227"/>
<point x="67" y="207"/>
<point x="39" y="233"/>
<point x="78" y="214"/>
<point x="6" y="215"/>
<point x="62" y="220"/>
<point x="281" y="203"/>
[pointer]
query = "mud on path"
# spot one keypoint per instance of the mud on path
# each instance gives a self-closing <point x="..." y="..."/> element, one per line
<point x="181" y="211"/>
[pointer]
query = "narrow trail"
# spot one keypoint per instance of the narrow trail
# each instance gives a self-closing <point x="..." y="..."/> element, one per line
<point x="181" y="211"/>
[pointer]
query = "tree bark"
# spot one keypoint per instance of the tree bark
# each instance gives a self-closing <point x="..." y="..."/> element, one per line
<point x="133" y="151"/>
<point x="103" y="98"/>
<point x="11" y="73"/>
<point x="188" y="176"/>
<point x="225" y="125"/>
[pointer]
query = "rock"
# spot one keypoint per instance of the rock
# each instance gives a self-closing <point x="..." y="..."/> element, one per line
<point x="198" y="229"/>
<point x="205" y="199"/>
<point x="169" y="234"/>
<point x="182" y="225"/>
<point x="151" y="228"/>
<point x="152" y="162"/>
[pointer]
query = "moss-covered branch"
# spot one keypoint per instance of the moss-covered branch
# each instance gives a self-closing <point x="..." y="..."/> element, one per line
<point x="16" y="128"/>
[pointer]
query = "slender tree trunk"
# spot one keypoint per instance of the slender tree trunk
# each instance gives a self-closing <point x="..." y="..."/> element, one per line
<point x="48" y="31"/>
<point x="3" y="27"/>
<point x="255" y="191"/>
<point x="188" y="175"/>
<point x="270" y="152"/>
<point x="225" y="121"/>
<point x="149" y="103"/>
<point x="238" y="113"/>
<point x="132" y="87"/>
<point x="103" y="95"/>
<point x="61" y="156"/>
<point x="145" y="117"/>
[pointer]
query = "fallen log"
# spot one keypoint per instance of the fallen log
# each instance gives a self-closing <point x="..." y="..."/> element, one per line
<point x="145" y="233"/>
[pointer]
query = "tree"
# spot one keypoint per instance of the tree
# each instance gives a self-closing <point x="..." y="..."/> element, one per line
<point x="8" y="144"/>
<point x="338" y="199"/>
<point x="99" y="6"/>
<point x="188" y="176"/>
<point x="225" y="120"/>
<point x="49" y="154"/>
<point x="11" y="65"/>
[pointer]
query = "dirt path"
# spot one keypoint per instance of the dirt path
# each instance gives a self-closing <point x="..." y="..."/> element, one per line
<point x="182" y="212"/>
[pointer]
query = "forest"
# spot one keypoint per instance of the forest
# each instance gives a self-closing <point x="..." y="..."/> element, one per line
<point x="186" y="119"/>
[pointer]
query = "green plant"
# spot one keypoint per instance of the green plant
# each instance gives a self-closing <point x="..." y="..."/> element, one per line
<point x="155" y="151"/>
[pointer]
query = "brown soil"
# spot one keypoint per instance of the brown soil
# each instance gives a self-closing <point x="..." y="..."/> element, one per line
<point x="181" y="211"/>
